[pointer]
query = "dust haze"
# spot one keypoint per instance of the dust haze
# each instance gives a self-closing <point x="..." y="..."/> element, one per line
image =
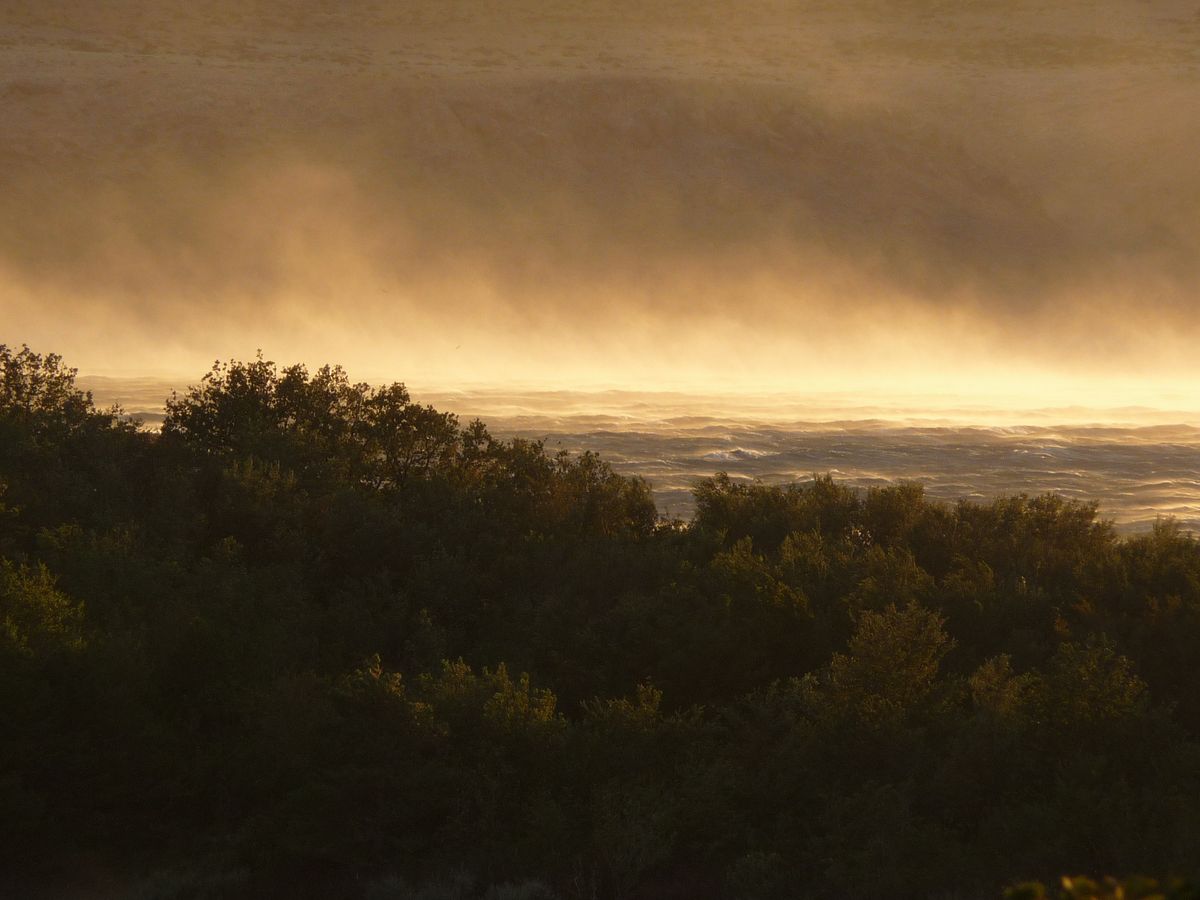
<point x="772" y="194"/>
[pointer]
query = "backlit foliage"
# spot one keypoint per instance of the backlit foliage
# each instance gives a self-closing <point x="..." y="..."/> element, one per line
<point x="315" y="639"/>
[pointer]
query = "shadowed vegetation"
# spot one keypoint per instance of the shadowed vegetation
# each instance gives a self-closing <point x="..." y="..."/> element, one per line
<point x="315" y="639"/>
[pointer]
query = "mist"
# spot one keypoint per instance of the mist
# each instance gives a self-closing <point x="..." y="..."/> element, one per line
<point x="712" y="196"/>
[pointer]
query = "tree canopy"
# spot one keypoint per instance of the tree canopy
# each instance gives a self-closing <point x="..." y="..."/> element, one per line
<point x="316" y="639"/>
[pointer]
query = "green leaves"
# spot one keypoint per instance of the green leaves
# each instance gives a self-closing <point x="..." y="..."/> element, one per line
<point x="36" y="619"/>
<point x="1081" y="888"/>
<point x="891" y="664"/>
<point x="40" y="390"/>
<point x="316" y="627"/>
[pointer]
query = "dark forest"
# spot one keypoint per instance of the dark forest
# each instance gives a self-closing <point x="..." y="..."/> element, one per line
<point x="314" y="639"/>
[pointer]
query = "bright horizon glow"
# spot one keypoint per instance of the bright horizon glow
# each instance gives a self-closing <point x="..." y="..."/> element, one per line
<point x="942" y="215"/>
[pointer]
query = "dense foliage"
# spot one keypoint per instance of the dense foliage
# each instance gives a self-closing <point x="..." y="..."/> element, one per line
<point x="280" y="649"/>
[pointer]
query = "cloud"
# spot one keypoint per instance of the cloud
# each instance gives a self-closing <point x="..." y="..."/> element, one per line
<point x="605" y="199"/>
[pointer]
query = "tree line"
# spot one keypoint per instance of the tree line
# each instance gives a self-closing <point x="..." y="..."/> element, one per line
<point x="316" y="639"/>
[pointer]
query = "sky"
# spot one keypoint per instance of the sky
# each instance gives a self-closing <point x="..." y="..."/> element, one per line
<point x="991" y="199"/>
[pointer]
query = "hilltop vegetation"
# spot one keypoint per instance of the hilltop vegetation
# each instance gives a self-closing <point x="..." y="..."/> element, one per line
<point x="314" y="639"/>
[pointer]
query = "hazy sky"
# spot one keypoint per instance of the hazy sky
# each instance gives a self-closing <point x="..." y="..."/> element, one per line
<point x="771" y="194"/>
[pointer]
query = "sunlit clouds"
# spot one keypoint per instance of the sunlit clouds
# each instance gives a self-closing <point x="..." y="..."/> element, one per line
<point x="706" y="199"/>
